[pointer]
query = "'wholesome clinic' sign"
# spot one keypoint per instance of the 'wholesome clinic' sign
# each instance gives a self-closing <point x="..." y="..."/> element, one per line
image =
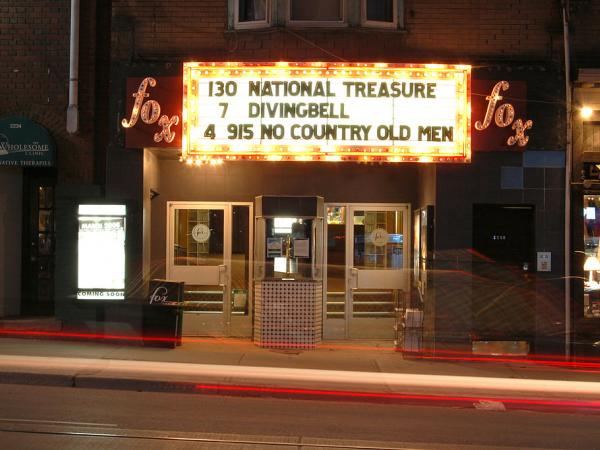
<point x="24" y="143"/>
<point x="326" y="111"/>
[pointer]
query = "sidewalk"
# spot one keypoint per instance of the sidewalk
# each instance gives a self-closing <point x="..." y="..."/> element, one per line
<point x="236" y="366"/>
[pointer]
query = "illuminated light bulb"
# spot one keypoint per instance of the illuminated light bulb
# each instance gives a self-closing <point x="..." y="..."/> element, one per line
<point x="586" y="112"/>
<point x="189" y="162"/>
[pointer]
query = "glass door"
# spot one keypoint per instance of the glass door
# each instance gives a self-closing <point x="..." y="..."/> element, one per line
<point x="209" y="249"/>
<point x="367" y="275"/>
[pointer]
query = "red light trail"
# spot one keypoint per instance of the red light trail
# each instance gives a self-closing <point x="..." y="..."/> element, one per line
<point x="551" y="361"/>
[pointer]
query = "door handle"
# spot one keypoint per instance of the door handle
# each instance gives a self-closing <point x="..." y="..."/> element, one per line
<point x="353" y="278"/>
<point x="222" y="274"/>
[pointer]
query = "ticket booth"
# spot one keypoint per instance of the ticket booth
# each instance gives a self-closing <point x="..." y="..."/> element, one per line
<point x="288" y="280"/>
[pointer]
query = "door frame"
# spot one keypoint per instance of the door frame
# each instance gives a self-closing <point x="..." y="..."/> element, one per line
<point x="231" y="325"/>
<point x="332" y="328"/>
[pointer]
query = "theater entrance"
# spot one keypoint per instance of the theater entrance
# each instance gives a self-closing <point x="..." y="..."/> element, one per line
<point x="366" y="264"/>
<point x="209" y="247"/>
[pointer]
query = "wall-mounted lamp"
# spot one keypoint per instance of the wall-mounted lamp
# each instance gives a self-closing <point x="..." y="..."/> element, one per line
<point x="586" y="112"/>
<point x="153" y="194"/>
<point x="591" y="264"/>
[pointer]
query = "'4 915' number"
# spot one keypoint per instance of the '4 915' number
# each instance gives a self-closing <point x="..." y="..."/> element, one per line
<point x="235" y="131"/>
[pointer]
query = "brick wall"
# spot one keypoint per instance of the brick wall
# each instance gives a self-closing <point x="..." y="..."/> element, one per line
<point x="585" y="32"/>
<point x="34" y="50"/>
<point x="34" y="75"/>
<point x="458" y="30"/>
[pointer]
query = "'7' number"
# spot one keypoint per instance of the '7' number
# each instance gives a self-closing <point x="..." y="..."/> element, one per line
<point x="224" y="106"/>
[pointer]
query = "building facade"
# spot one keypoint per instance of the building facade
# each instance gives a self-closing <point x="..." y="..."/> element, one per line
<point x="34" y="95"/>
<point x="475" y="250"/>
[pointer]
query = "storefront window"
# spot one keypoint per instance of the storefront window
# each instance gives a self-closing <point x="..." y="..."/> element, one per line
<point x="591" y="136"/>
<point x="591" y="236"/>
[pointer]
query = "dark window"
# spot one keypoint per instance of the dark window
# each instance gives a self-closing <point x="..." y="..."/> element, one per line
<point x="252" y="10"/>
<point x="316" y="10"/>
<point x="380" y="10"/>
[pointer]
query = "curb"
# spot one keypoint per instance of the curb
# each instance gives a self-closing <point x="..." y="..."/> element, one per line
<point x="473" y="401"/>
<point x="40" y="379"/>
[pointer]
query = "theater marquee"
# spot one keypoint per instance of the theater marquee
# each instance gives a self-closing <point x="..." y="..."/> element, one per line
<point x="326" y="112"/>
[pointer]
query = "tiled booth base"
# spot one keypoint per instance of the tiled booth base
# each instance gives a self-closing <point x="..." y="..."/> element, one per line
<point x="288" y="314"/>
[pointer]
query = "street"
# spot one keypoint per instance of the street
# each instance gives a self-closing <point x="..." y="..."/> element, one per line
<point x="63" y="418"/>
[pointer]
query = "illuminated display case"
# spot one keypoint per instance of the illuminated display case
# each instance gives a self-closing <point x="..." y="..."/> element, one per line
<point x="289" y="238"/>
<point x="101" y="252"/>
<point x="288" y="288"/>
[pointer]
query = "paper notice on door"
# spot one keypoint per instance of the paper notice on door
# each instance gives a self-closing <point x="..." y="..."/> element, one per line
<point x="274" y="247"/>
<point x="301" y="248"/>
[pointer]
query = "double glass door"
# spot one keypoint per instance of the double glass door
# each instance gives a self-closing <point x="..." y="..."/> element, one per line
<point x="209" y="249"/>
<point x="367" y="276"/>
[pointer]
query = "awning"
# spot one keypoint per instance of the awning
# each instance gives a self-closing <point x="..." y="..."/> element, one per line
<point x="25" y="143"/>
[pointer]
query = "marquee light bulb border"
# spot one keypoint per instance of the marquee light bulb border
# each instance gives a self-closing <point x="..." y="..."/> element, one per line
<point x="198" y="153"/>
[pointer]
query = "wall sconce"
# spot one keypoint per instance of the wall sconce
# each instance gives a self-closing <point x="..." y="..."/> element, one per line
<point x="586" y="112"/>
<point x="153" y="194"/>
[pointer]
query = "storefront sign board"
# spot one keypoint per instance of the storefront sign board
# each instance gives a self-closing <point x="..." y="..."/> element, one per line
<point x="326" y="112"/>
<point x="25" y="143"/>
<point x="499" y="115"/>
<point x="153" y="112"/>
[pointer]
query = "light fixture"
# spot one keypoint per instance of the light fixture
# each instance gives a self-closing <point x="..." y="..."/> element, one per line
<point x="586" y="112"/>
<point x="591" y="264"/>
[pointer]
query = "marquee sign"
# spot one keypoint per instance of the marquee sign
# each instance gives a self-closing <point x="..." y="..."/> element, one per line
<point x="319" y="111"/>
<point x="326" y="112"/>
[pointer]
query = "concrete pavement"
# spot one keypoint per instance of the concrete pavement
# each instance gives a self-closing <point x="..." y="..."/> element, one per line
<point x="236" y="366"/>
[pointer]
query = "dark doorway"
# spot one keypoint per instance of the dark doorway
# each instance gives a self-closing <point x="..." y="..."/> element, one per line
<point x="38" y="242"/>
<point x="505" y="233"/>
<point x="503" y="301"/>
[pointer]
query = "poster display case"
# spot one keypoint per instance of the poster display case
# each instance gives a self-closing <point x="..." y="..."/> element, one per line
<point x="101" y="252"/>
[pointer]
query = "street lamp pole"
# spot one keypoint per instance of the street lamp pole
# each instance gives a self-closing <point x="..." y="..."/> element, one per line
<point x="568" y="169"/>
